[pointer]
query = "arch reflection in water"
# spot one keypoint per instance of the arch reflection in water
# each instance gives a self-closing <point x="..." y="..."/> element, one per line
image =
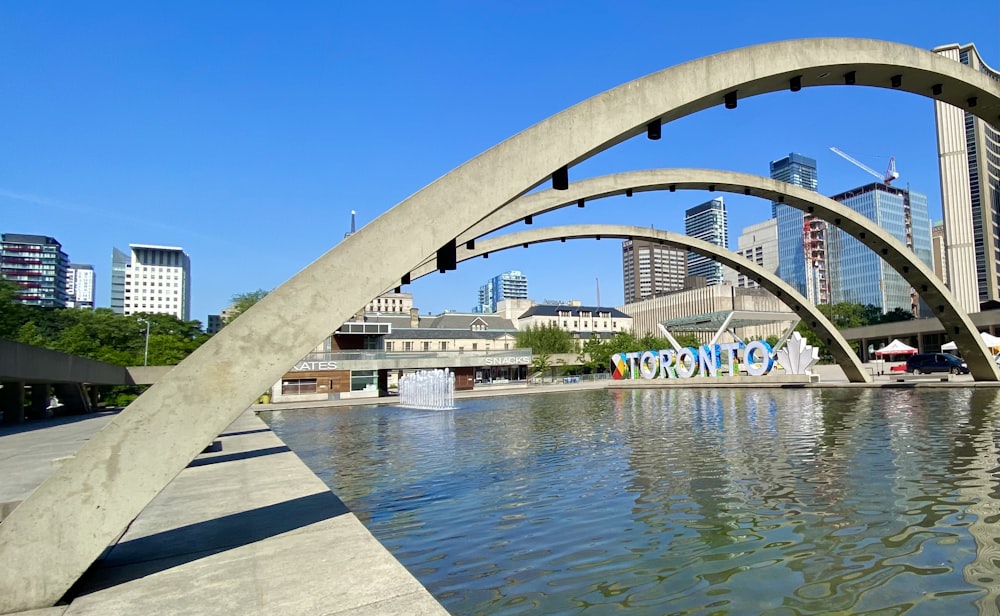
<point x="428" y="389"/>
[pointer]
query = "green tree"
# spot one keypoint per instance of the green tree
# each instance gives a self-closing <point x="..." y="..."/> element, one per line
<point x="595" y="355"/>
<point x="895" y="315"/>
<point x="241" y="302"/>
<point x="548" y="338"/>
<point x="687" y="340"/>
<point x="540" y="363"/>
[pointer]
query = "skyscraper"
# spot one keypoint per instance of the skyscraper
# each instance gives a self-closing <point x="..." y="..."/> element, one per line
<point x="859" y="274"/>
<point x="801" y="238"/>
<point x="80" y="286"/>
<point x="707" y="222"/>
<point x="37" y="265"/>
<point x="509" y="285"/>
<point x="970" y="192"/>
<point x="157" y="280"/>
<point x="650" y="269"/>
<point x="758" y="243"/>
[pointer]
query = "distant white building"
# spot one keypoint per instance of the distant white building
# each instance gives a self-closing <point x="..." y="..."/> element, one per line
<point x="80" y="286"/>
<point x="391" y="303"/>
<point x="156" y="280"/>
<point x="584" y="322"/>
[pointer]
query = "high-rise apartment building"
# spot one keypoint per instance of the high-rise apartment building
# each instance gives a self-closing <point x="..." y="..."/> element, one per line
<point x="758" y="243"/>
<point x="37" y="265"/>
<point x="707" y="222"/>
<point x="119" y="262"/>
<point x="80" y="286"/>
<point x="970" y="192"/>
<point x="859" y="274"/>
<point x="508" y="285"/>
<point x="155" y="279"/>
<point x="802" y="259"/>
<point x="650" y="269"/>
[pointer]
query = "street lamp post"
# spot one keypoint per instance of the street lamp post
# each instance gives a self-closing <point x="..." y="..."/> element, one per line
<point x="145" y="355"/>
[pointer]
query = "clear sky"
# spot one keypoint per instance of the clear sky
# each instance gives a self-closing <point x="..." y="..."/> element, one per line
<point x="246" y="132"/>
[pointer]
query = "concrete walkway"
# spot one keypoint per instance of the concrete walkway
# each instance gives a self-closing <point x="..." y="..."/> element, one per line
<point x="246" y="528"/>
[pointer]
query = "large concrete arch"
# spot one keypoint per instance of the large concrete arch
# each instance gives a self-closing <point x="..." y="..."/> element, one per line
<point x="48" y="542"/>
<point x="803" y="308"/>
<point x="930" y="288"/>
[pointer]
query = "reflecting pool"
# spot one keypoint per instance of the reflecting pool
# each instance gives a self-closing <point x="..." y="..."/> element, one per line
<point x="678" y="501"/>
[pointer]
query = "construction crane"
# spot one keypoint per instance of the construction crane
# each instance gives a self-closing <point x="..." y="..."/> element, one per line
<point x="889" y="175"/>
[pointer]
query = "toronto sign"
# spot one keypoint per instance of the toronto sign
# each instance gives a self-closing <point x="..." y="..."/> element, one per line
<point x="756" y="358"/>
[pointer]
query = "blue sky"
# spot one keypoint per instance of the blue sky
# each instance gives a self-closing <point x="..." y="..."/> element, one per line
<point x="247" y="132"/>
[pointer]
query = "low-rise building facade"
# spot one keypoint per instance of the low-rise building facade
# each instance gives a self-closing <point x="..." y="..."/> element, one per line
<point x="647" y="314"/>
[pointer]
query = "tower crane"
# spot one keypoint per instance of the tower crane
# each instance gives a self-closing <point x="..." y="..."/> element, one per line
<point x="889" y="175"/>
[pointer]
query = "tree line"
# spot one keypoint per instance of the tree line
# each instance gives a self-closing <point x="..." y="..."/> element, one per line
<point x="99" y="334"/>
<point x="106" y="336"/>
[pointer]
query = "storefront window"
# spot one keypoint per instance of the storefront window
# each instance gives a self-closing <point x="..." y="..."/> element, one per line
<point x="364" y="380"/>
<point x="298" y="386"/>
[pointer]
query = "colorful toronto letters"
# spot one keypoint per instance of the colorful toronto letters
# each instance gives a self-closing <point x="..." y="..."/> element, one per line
<point x="756" y="357"/>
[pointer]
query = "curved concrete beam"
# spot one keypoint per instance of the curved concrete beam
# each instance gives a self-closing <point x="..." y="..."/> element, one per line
<point x="802" y="307"/>
<point x="930" y="288"/>
<point x="50" y="540"/>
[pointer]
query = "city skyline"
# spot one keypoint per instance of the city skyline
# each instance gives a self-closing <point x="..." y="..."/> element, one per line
<point x="251" y="155"/>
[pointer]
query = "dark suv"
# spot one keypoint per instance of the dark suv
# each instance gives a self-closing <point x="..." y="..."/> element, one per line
<point x="925" y="363"/>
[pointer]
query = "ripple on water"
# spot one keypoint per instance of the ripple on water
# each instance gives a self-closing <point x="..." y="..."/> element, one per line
<point x="677" y="501"/>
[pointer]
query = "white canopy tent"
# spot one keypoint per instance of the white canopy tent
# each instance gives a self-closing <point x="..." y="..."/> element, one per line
<point x="992" y="343"/>
<point x="896" y="348"/>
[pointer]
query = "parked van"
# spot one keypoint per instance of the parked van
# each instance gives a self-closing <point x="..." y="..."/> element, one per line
<point x="925" y="363"/>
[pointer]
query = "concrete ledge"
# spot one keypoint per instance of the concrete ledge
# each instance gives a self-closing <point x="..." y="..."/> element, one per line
<point x="902" y="378"/>
<point x="775" y="380"/>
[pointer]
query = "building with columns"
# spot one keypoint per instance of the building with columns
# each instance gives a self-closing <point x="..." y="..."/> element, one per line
<point x="970" y="192"/>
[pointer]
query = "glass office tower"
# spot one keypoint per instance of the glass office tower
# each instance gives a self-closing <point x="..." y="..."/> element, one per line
<point x="859" y="274"/>
<point x="802" y="260"/>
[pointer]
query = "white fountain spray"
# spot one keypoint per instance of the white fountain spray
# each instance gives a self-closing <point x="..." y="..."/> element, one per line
<point x="428" y="389"/>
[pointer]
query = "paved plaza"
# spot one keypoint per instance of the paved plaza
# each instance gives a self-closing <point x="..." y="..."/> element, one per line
<point x="246" y="528"/>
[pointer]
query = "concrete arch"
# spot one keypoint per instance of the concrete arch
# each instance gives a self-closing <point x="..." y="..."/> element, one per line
<point x="116" y="473"/>
<point x="930" y="288"/>
<point x="808" y="312"/>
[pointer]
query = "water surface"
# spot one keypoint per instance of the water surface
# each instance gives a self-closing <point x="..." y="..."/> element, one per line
<point x="678" y="501"/>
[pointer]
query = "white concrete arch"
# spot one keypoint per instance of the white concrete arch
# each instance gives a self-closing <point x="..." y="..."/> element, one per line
<point x="50" y="540"/>
<point x="827" y="331"/>
<point x="930" y="288"/>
